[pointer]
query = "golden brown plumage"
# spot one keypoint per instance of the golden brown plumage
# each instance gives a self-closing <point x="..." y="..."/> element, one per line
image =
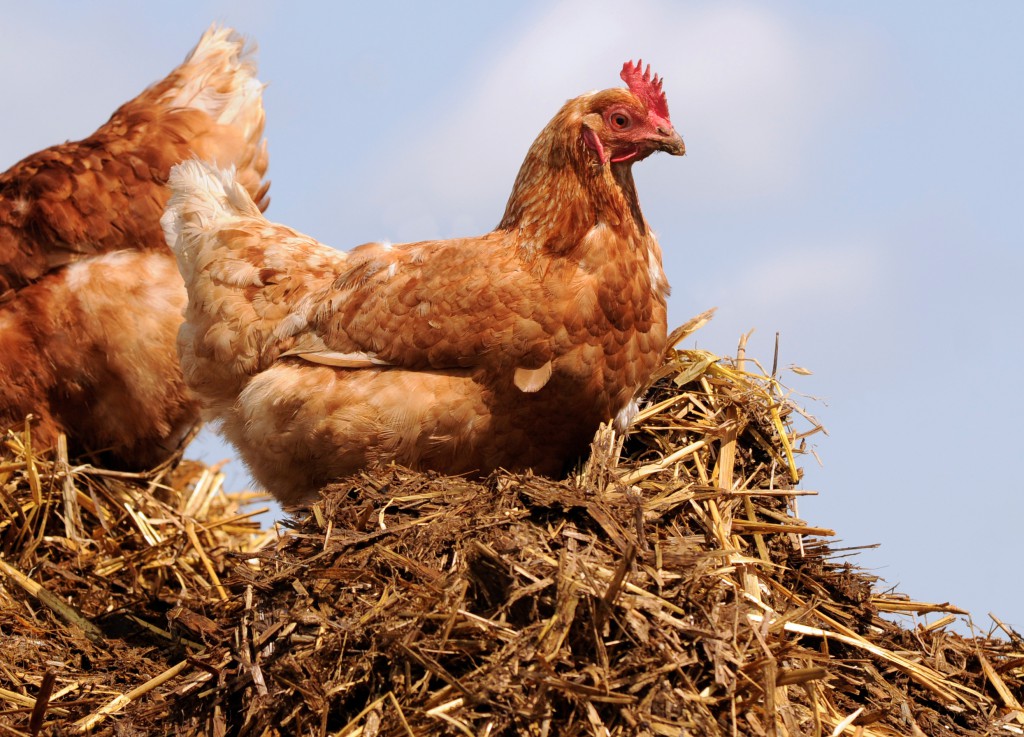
<point x="90" y="298"/>
<point x="465" y="355"/>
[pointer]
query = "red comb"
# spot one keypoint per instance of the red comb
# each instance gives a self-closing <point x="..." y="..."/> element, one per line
<point x="643" y="86"/>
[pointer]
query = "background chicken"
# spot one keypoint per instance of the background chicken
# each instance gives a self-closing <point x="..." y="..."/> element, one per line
<point x="505" y="350"/>
<point x="90" y="298"/>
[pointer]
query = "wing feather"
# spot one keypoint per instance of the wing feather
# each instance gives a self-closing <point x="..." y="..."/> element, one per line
<point x="436" y="305"/>
<point x="444" y="305"/>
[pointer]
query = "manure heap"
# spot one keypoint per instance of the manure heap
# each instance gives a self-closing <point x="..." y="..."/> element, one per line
<point x="668" y="587"/>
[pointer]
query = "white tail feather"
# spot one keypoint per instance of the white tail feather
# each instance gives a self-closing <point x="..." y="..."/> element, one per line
<point x="203" y="199"/>
<point x="220" y="79"/>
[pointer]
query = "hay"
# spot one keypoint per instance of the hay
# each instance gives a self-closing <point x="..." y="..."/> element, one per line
<point x="92" y="566"/>
<point x="668" y="588"/>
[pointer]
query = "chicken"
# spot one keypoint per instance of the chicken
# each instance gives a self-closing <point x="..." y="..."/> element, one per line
<point x="90" y="297"/>
<point x="506" y="350"/>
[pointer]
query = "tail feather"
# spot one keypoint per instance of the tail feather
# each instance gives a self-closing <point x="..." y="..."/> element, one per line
<point x="203" y="199"/>
<point x="218" y="78"/>
<point x="250" y="282"/>
<point x="217" y="343"/>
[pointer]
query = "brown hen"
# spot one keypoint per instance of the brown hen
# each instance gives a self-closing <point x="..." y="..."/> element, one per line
<point x="506" y="350"/>
<point x="90" y="297"/>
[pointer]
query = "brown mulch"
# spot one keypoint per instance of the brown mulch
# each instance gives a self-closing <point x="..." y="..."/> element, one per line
<point x="669" y="587"/>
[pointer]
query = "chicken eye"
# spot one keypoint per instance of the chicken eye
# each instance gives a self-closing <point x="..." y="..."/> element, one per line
<point x="620" y="121"/>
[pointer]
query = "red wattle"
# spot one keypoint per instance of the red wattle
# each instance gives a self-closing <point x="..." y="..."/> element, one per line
<point x="594" y="143"/>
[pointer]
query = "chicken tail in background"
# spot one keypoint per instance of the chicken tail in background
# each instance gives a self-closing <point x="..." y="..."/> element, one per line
<point x="218" y="79"/>
<point x="90" y="298"/>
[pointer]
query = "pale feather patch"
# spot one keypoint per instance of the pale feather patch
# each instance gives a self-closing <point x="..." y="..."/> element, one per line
<point x="659" y="282"/>
<point x="163" y="292"/>
<point x="147" y="267"/>
<point x="343" y="360"/>
<point x="370" y="250"/>
<point x="625" y="416"/>
<point x="594" y="248"/>
<point x="203" y="200"/>
<point x="77" y="275"/>
<point x="599" y="232"/>
<point x="8" y="322"/>
<point x="532" y="380"/>
<point x="221" y="80"/>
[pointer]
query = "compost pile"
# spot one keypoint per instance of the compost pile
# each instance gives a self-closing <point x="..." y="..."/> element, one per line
<point x="667" y="587"/>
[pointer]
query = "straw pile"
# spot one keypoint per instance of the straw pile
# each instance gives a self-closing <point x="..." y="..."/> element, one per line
<point x="668" y="587"/>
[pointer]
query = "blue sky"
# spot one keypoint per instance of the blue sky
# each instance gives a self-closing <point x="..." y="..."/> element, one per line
<point x="853" y="181"/>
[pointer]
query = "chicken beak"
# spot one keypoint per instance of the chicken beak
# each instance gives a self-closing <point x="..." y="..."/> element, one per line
<point x="669" y="141"/>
